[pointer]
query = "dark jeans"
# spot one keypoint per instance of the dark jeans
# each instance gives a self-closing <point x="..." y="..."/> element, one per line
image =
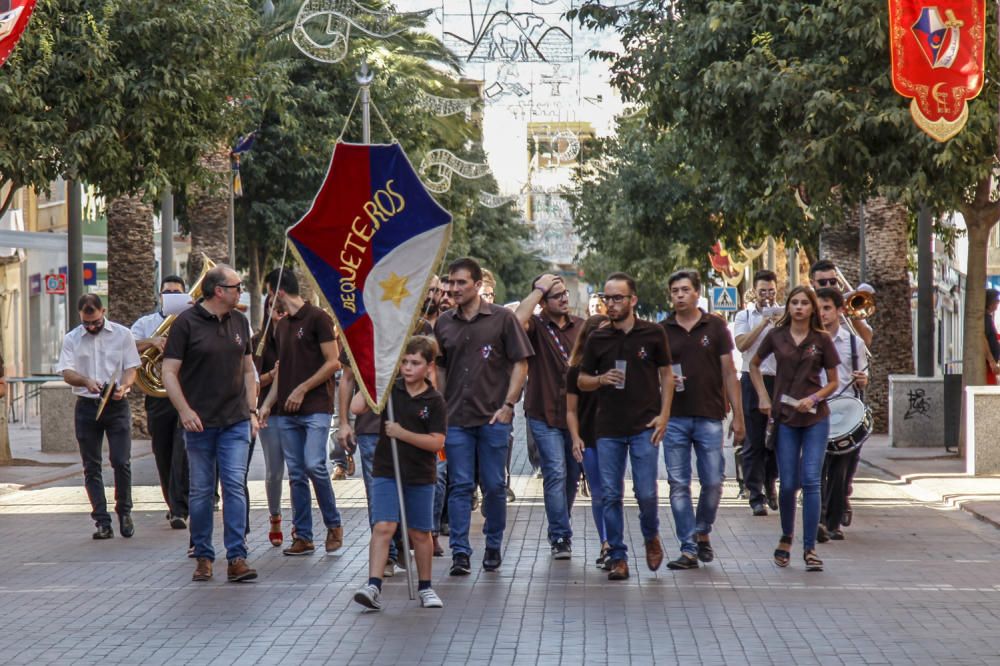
<point x="116" y="423"/>
<point x="838" y="471"/>
<point x="760" y="466"/>
<point x="170" y="454"/>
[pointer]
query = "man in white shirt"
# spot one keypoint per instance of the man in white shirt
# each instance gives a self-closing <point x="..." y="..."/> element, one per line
<point x="852" y="373"/>
<point x="95" y="354"/>
<point x="760" y="468"/>
<point x="161" y="418"/>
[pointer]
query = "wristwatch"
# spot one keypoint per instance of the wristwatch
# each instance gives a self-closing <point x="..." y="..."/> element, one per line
<point x="255" y="411"/>
<point x="509" y="404"/>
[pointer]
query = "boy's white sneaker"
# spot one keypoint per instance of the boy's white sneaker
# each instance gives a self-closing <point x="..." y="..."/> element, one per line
<point x="430" y="599"/>
<point x="370" y="597"/>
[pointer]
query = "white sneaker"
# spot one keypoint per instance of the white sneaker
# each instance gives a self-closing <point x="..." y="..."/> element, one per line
<point x="430" y="599"/>
<point x="390" y="569"/>
<point x="370" y="597"/>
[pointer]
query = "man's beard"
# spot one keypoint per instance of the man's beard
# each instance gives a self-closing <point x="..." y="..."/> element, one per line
<point x="430" y="307"/>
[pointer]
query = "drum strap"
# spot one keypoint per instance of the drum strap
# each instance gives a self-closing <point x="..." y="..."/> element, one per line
<point x="854" y="366"/>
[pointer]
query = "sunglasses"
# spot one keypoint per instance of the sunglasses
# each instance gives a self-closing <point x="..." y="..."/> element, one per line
<point x="827" y="282"/>
<point x="238" y="286"/>
<point x="93" y="324"/>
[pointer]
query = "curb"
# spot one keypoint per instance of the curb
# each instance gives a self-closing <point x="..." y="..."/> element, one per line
<point x="60" y="476"/>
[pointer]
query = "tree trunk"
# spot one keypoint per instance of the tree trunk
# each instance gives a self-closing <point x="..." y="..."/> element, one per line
<point x="980" y="216"/>
<point x="131" y="276"/>
<point x="208" y="214"/>
<point x="841" y="244"/>
<point x="253" y="251"/>
<point x="5" y="454"/>
<point x="887" y="244"/>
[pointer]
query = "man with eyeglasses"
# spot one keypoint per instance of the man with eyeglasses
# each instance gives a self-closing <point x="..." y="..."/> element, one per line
<point x="161" y="417"/>
<point x="210" y="378"/>
<point x="97" y="356"/>
<point x="760" y="467"/>
<point x="628" y="364"/>
<point x="823" y="274"/>
<point x="552" y="334"/>
<point x="302" y="400"/>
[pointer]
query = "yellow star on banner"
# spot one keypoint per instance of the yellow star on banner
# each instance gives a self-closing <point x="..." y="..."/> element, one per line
<point x="394" y="289"/>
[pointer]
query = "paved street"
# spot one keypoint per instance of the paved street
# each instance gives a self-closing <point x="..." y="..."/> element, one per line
<point x="916" y="582"/>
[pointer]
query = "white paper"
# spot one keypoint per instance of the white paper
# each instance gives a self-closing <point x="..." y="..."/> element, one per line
<point x="788" y="400"/>
<point x="174" y="304"/>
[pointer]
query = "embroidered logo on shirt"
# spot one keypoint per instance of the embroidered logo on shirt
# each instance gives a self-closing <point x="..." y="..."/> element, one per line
<point x="239" y="340"/>
<point x="812" y="350"/>
<point x="705" y="342"/>
<point x="643" y="354"/>
<point x="424" y="414"/>
<point x="486" y="351"/>
<point x="300" y="333"/>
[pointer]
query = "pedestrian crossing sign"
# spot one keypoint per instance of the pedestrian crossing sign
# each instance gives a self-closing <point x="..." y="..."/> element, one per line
<point x="724" y="299"/>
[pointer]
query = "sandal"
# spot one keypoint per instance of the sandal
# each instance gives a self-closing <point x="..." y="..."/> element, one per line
<point x="275" y="536"/>
<point x="813" y="563"/>
<point x="781" y="554"/>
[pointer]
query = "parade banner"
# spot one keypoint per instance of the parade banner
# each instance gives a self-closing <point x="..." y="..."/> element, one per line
<point x="371" y="240"/>
<point x="938" y="54"/>
<point x="13" y="21"/>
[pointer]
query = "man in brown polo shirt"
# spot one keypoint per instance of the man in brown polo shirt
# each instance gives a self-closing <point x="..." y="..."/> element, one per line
<point x="481" y="369"/>
<point x="301" y="398"/>
<point x="209" y="376"/>
<point x="704" y="374"/>
<point x="628" y="364"/>
<point x="552" y="333"/>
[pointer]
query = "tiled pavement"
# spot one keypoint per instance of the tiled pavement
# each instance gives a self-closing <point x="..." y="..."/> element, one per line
<point x="914" y="583"/>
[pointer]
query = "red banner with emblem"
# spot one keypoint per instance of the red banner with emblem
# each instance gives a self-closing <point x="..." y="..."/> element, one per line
<point x="938" y="52"/>
<point x="13" y="21"/>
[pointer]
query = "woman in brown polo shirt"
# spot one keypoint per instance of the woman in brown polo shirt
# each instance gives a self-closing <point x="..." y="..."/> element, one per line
<point x="801" y="348"/>
<point x="581" y="410"/>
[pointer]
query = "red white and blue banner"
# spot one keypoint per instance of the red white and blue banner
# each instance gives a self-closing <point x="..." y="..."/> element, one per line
<point x="938" y="60"/>
<point x="13" y="20"/>
<point x="372" y="240"/>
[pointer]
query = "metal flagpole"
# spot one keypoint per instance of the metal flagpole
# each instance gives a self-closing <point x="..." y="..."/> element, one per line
<point x="364" y="78"/>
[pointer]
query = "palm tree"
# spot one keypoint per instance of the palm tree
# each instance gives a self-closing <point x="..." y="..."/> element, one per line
<point x="208" y="213"/>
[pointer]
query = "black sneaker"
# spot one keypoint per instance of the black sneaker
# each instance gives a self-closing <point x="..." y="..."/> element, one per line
<point x="705" y="552"/>
<point x="491" y="559"/>
<point x="104" y="532"/>
<point x="759" y="510"/>
<point x="460" y="565"/>
<point x="177" y="523"/>
<point x="126" y="525"/>
<point x="685" y="561"/>
<point x="561" y="550"/>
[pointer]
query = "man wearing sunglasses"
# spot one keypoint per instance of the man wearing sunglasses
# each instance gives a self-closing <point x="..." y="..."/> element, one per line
<point x="96" y="354"/>
<point x="161" y="417"/>
<point x="823" y="274"/>
<point x="552" y="334"/>
<point x="210" y="378"/>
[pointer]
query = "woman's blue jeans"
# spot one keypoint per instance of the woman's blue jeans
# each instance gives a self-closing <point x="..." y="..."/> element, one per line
<point x="800" y="465"/>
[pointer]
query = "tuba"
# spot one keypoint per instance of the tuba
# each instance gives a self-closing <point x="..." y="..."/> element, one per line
<point x="147" y="376"/>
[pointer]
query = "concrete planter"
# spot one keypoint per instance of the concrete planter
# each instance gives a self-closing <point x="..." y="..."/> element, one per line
<point x="916" y="411"/>
<point x="982" y="423"/>
<point x="58" y="408"/>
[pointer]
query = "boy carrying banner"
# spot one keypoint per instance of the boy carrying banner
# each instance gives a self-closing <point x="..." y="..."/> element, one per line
<point x="420" y="431"/>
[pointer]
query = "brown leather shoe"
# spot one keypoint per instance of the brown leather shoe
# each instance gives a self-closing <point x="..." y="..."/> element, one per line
<point x="239" y="571"/>
<point x="619" y="570"/>
<point x="334" y="539"/>
<point x="654" y="553"/>
<point x="203" y="570"/>
<point x="300" y="547"/>
<point x="339" y="473"/>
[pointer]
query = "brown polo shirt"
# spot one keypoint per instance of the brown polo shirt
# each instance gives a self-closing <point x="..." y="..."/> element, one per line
<point x="700" y="352"/>
<point x="545" y="393"/>
<point x="797" y="373"/>
<point x="623" y="412"/>
<point x="299" y="337"/>
<point x="368" y="423"/>
<point x="212" y="351"/>
<point x="422" y="414"/>
<point x="478" y="355"/>
<point x="586" y="407"/>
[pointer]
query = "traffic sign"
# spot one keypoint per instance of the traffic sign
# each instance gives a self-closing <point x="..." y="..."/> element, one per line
<point x="724" y="299"/>
<point x="55" y="283"/>
<point x="90" y="273"/>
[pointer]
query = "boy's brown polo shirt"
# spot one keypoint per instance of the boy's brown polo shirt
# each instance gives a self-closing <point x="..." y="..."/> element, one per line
<point x="478" y="356"/>
<point x="700" y="352"/>
<point x="545" y="392"/>
<point x="624" y="412"/>
<point x="299" y="337"/>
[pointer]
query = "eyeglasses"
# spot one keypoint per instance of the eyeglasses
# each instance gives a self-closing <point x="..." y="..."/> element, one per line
<point x="563" y="295"/>
<point x="827" y="282"/>
<point x="614" y="298"/>
<point x="97" y="323"/>
<point x="238" y="286"/>
<point x="172" y="291"/>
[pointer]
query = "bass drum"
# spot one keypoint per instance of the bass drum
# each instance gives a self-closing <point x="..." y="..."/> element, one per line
<point x="850" y="425"/>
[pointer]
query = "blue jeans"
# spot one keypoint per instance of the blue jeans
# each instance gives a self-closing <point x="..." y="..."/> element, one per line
<point x="613" y="453"/>
<point x="705" y="437"/>
<point x="465" y="447"/>
<point x="440" y="493"/>
<point x="225" y="449"/>
<point x="800" y="465"/>
<point x="560" y="476"/>
<point x="366" y="449"/>
<point x="591" y="465"/>
<point x="303" y="441"/>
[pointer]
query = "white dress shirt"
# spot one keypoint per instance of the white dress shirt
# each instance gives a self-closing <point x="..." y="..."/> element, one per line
<point x="842" y="341"/>
<point x="146" y="325"/>
<point x="103" y="357"/>
<point x="746" y="321"/>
